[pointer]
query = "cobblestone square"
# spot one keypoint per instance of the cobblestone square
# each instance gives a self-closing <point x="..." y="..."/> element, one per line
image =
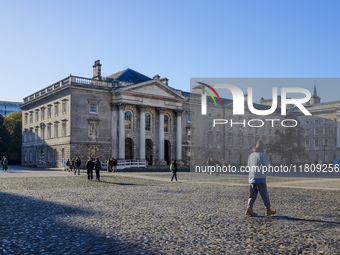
<point x="55" y="212"/>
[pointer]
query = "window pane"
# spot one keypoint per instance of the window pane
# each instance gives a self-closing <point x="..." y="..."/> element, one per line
<point x="93" y="108"/>
<point x="166" y="123"/>
<point x="147" y="122"/>
<point x="127" y="120"/>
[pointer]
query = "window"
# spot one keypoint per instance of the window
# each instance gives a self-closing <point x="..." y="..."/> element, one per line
<point x="49" y="131"/>
<point x="55" y="129"/>
<point x="147" y="121"/>
<point x="56" y="109"/>
<point x="93" y="130"/>
<point x="42" y="132"/>
<point x="36" y="133"/>
<point x="316" y="143"/>
<point x="31" y="135"/>
<point x="63" y="128"/>
<point x="127" y="117"/>
<point x="316" y="131"/>
<point x="210" y="127"/>
<point x="189" y="118"/>
<point x="36" y="116"/>
<point x="325" y="131"/>
<point x="31" y="117"/>
<point x="42" y="116"/>
<point x="166" y="123"/>
<point x="63" y="107"/>
<point x="307" y="122"/>
<point x="307" y="143"/>
<point x="26" y="117"/>
<point x="270" y="131"/>
<point x="93" y="108"/>
<point x="307" y="131"/>
<point x="316" y="121"/>
<point x="25" y="135"/>
<point x="49" y="112"/>
<point x="325" y="142"/>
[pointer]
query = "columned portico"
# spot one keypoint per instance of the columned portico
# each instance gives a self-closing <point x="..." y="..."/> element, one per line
<point x="161" y="136"/>
<point x="121" y="132"/>
<point x="142" y="133"/>
<point x="179" y="136"/>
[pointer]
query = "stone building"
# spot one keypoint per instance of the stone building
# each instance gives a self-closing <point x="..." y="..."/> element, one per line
<point x="126" y="115"/>
<point x="7" y="107"/>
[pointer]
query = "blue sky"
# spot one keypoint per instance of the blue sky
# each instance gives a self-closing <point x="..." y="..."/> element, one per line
<point x="44" y="41"/>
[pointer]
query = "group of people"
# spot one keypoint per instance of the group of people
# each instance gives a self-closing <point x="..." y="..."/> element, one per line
<point x="93" y="164"/>
<point x="74" y="165"/>
<point x="4" y="163"/>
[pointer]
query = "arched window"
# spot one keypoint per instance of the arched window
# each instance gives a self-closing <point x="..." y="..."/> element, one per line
<point x="166" y="123"/>
<point x="147" y="121"/>
<point x="127" y="120"/>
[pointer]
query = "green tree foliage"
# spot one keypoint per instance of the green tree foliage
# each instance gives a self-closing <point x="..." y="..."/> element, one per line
<point x="13" y="124"/>
<point x="4" y="137"/>
<point x="288" y="144"/>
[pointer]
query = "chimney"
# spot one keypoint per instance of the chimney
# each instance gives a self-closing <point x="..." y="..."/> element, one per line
<point x="165" y="81"/>
<point x="156" y="77"/>
<point x="97" y="69"/>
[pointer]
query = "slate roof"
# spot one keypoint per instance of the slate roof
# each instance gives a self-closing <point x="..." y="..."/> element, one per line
<point x="129" y="75"/>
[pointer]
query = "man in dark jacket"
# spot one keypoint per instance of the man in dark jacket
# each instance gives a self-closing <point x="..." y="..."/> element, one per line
<point x="78" y="164"/>
<point x="89" y="168"/>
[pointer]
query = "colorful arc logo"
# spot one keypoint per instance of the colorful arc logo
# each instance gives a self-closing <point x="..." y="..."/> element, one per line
<point x="213" y="90"/>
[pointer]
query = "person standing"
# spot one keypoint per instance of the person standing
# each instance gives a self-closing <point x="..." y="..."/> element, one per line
<point x="68" y="165"/>
<point x="257" y="179"/>
<point x="174" y="169"/>
<point x="89" y="167"/>
<point x="98" y="167"/>
<point x="4" y="163"/>
<point x="114" y="165"/>
<point x="78" y="164"/>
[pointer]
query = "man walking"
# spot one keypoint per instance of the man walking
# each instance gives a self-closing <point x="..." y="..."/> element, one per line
<point x="257" y="179"/>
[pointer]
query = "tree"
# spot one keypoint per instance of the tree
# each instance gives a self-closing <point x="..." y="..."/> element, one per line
<point x="288" y="144"/>
<point x="13" y="125"/>
<point x="4" y="137"/>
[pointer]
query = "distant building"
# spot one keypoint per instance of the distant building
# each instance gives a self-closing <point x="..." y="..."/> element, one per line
<point x="8" y="107"/>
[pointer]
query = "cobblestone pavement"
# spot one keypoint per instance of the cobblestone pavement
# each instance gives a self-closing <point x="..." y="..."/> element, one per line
<point x="136" y="213"/>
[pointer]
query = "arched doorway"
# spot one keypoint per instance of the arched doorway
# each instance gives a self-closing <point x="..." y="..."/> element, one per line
<point x="167" y="152"/>
<point x="148" y="151"/>
<point x="128" y="148"/>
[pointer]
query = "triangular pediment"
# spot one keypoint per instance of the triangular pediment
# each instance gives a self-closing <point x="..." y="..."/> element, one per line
<point x="153" y="89"/>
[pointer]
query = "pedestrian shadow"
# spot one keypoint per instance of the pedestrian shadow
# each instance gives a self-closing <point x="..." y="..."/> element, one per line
<point x="121" y="183"/>
<point x="34" y="226"/>
<point x="288" y="218"/>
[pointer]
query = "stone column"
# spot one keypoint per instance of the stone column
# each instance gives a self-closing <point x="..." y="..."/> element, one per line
<point x="114" y="122"/>
<point x="121" y="132"/>
<point x="142" y="133"/>
<point x="161" y="136"/>
<point x="179" y="136"/>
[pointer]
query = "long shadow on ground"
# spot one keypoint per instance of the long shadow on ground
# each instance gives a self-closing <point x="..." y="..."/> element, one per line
<point x="32" y="226"/>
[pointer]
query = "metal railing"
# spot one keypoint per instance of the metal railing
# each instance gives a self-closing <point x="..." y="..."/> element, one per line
<point x="122" y="164"/>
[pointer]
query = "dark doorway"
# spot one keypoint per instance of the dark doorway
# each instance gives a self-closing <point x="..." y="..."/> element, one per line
<point x="167" y="152"/>
<point x="148" y="151"/>
<point x="128" y="148"/>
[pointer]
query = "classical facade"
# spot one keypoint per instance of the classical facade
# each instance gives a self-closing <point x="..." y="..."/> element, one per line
<point x="126" y="115"/>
